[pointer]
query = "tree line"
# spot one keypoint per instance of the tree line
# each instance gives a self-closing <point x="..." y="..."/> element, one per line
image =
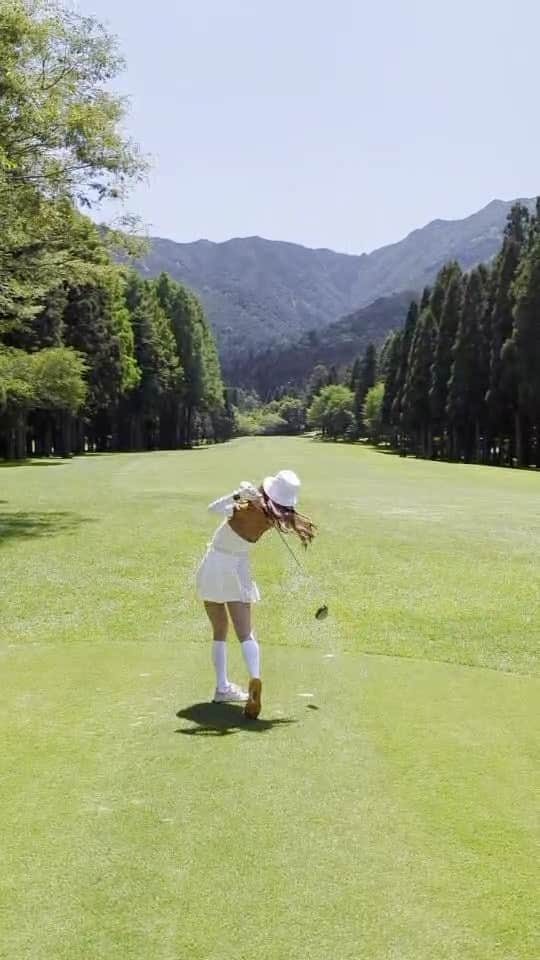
<point x="461" y="379"/>
<point x="92" y="356"/>
<point x="332" y="401"/>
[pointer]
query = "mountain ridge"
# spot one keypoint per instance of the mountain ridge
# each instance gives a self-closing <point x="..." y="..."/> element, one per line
<point x="260" y="293"/>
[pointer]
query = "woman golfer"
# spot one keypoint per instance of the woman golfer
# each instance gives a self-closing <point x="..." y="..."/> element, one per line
<point x="224" y="581"/>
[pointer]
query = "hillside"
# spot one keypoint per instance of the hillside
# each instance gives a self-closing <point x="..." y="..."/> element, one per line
<point x="256" y="291"/>
<point x="338" y="344"/>
<point x="261" y="292"/>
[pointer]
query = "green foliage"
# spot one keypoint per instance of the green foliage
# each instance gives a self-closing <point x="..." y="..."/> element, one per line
<point x="93" y="324"/>
<point x="61" y="143"/>
<point x="354" y="375"/>
<point x="17" y="390"/>
<point x="223" y="419"/>
<point x="332" y="412"/>
<point x="60" y="125"/>
<point x="470" y="370"/>
<point x="501" y="395"/>
<point x="318" y="379"/>
<point x="202" y="387"/>
<point x="51" y="379"/>
<point x="364" y="381"/>
<point x="261" y="422"/>
<point x="416" y="394"/>
<point x="284" y="416"/>
<point x="398" y="387"/>
<point x="472" y="373"/>
<point x="389" y="369"/>
<point x="372" y="413"/>
<point x="292" y="411"/>
<point x="59" y="379"/>
<point x="144" y="349"/>
<point x="155" y="346"/>
<point x="445" y="335"/>
<point x="439" y="292"/>
<point x="526" y="333"/>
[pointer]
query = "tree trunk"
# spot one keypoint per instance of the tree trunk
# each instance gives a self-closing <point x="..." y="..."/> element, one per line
<point x="63" y="435"/>
<point x="20" y="437"/>
<point x="48" y="441"/>
<point x="187" y="431"/>
<point x="428" y="443"/>
<point x="136" y="433"/>
<point x="478" y="453"/>
<point x="10" y="442"/>
<point x="523" y="440"/>
<point x="455" y="443"/>
<point x="77" y="437"/>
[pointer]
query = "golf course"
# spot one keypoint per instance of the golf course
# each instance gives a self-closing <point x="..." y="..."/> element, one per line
<point x="386" y="804"/>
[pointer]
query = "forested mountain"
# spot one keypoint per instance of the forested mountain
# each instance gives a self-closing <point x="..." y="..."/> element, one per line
<point x="260" y="292"/>
<point x="337" y="345"/>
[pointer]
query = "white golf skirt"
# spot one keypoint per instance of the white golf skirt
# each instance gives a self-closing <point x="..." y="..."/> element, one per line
<point x="224" y="575"/>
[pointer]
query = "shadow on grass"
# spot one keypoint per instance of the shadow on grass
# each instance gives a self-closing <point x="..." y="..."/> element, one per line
<point x="222" y="719"/>
<point x="390" y="452"/>
<point x="24" y="525"/>
<point x="6" y="464"/>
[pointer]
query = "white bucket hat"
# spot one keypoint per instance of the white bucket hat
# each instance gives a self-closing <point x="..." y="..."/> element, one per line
<point x="283" y="488"/>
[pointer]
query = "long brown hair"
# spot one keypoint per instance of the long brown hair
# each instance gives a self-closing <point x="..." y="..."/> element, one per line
<point x="289" y="520"/>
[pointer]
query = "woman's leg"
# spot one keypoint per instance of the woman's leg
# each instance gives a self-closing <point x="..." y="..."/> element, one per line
<point x="240" y="614"/>
<point x="217" y="614"/>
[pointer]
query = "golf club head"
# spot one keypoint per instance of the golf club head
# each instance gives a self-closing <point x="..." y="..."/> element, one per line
<point x="322" y="613"/>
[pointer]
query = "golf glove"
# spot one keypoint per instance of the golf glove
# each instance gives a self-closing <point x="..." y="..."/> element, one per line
<point x="248" y="491"/>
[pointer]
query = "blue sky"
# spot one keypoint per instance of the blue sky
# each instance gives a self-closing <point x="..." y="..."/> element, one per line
<point x="341" y="124"/>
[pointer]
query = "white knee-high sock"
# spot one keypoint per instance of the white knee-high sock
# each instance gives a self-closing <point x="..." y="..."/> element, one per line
<point x="219" y="659"/>
<point x="251" y="655"/>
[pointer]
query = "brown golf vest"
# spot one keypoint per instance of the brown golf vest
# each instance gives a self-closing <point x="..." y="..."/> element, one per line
<point x="250" y="521"/>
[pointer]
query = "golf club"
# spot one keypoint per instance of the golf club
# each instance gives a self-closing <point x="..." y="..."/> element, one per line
<point x="322" y="612"/>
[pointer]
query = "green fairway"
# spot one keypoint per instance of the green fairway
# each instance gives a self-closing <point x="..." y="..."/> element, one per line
<point x="386" y="805"/>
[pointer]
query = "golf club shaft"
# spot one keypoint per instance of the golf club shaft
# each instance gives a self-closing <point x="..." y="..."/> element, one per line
<point x="291" y="551"/>
<point x="298" y="562"/>
<point x="322" y="611"/>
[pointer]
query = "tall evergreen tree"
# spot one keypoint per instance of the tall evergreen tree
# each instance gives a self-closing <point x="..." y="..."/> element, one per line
<point x="355" y="374"/>
<point x="96" y="324"/>
<point x="426" y="297"/>
<point x="157" y="361"/>
<point x="501" y="398"/>
<point x="383" y="358"/>
<point x="202" y="388"/>
<point x="392" y="355"/>
<point x="401" y="376"/>
<point x="416" y="395"/>
<point x="442" y="359"/>
<point x="365" y="381"/>
<point x="440" y="290"/>
<point x="526" y="349"/>
<point x="317" y="380"/>
<point x="470" y="370"/>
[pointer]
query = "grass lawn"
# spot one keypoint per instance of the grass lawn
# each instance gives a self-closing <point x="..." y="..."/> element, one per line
<point x="385" y="807"/>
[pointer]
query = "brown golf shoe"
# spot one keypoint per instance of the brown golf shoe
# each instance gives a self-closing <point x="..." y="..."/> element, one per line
<point x="252" y="708"/>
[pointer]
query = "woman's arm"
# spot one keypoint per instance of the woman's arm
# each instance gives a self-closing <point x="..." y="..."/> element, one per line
<point x="224" y="505"/>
